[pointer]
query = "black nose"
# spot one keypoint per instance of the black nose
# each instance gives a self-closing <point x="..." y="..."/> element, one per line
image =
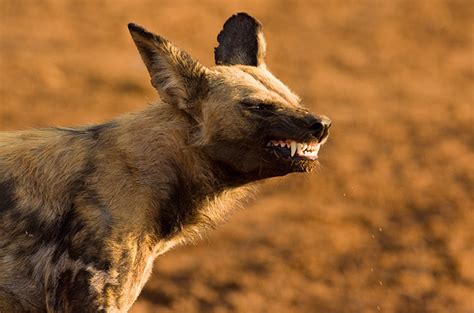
<point x="320" y="127"/>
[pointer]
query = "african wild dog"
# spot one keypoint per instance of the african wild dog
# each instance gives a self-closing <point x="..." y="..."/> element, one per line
<point x="84" y="211"/>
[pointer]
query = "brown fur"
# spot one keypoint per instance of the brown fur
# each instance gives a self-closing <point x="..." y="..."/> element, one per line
<point x="84" y="211"/>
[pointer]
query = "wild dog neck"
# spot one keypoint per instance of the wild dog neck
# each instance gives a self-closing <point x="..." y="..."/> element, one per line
<point x="181" y="179"/>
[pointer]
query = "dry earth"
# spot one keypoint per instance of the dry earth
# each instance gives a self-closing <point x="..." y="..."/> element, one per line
<point x="385" y="225"/>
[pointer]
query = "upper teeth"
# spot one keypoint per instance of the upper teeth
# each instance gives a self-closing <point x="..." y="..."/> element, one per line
<point x="294" y="145"/>
<point x="301" y="149"/>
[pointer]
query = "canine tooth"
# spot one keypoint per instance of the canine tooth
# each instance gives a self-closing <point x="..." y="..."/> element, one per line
<point x="299" y="148"/>
<point x="293" y="148"/>
<point x="305" y="146"/>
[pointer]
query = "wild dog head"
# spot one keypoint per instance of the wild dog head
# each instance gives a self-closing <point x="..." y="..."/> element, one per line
<point x="248" y="122"/>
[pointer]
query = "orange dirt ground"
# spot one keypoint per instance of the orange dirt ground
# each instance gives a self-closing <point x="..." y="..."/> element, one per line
<point x="387" y="222"/>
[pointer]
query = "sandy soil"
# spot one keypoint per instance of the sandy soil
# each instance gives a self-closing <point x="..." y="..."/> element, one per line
<point x="385" y="225"/>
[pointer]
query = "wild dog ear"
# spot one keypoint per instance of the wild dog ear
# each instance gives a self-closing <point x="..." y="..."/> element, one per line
<point x="241" y="41"/>
<point x="178" y="78"/>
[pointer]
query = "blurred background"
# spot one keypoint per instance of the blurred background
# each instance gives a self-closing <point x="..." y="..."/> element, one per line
<point x="385" y="225"/>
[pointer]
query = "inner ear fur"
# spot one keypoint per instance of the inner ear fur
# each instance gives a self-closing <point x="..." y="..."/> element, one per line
<point x="178" y="78"/>
<point x="241" y="41"/>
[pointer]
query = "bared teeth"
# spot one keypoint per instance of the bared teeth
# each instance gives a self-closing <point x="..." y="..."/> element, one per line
<point x="305" y="150"/>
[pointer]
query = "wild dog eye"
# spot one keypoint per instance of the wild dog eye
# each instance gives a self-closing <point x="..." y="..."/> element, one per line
<point x="257" y="105"/>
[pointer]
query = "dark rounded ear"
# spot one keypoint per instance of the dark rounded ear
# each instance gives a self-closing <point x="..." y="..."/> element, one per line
<point x="241" y="41"/>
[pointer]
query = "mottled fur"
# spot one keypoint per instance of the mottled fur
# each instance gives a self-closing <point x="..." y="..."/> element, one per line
<point x="84" y="211"/>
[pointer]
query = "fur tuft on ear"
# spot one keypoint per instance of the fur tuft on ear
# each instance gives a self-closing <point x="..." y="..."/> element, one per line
<point x="178" y="78"/>
<point x="241" y="41"/>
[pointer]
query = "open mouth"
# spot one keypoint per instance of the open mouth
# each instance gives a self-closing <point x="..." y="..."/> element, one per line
<point x="296" y="150"/>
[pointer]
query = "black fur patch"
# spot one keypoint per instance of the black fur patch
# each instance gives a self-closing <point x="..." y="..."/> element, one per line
<point x="181" y="205"/>
<point x="80" y="240"/>
<point x="7" y="197"/>
<point x="68" y="232"/>
<point x="73" y="294"/>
